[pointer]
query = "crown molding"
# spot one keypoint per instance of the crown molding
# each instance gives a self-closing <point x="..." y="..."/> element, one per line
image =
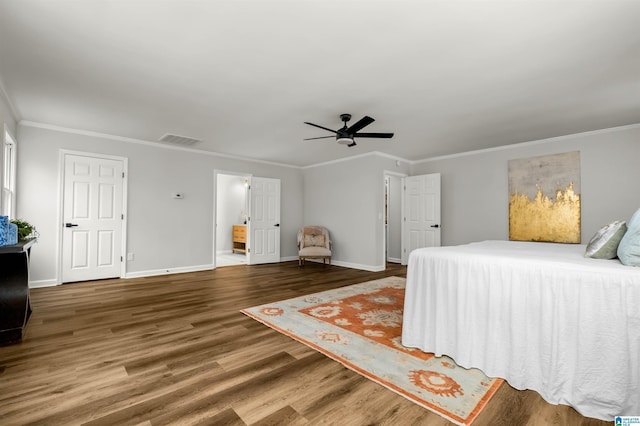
<point x="38" y="125"/>
<point x="5" y="96"/>
<point x="357" y="156"/>
<point x="325" y="163"/>
<point x="531" y="143"/>
<point x="89" y="133"/>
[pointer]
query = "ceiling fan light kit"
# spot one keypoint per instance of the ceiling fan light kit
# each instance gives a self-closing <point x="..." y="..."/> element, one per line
<point x="346" y="135"/>
<point x="344" y="141"/>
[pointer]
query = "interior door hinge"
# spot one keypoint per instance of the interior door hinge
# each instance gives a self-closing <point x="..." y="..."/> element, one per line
<point x="122" y="216"/>
<point x="122" y="175"/>
<point x="121" y="259"/>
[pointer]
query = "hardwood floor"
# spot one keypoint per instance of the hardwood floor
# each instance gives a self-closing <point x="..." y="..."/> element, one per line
<point x="176" y="350"/>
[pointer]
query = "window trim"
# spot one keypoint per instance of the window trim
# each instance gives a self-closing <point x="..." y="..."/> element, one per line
<point x="9" y="163"/>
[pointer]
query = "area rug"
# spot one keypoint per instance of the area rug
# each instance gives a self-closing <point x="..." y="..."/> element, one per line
<point x="360" y="326"/>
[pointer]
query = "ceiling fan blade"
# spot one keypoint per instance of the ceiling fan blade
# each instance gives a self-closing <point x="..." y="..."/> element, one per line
<point x="320" y="127"/>
<point x="373" y="135"/>
<point x="320" y="137"/>
<point x="363" y="122"/>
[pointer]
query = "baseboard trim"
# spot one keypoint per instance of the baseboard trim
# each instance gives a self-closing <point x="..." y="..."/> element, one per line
<point x="167" y="271"/>
<point x="43" y="283"/>
<point x="394" y="260"/>
<point x="196" y="268"/>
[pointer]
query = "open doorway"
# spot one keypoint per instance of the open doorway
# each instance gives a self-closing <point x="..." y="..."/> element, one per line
<point x="393" y="217"/>
<point x="232" y="207"/>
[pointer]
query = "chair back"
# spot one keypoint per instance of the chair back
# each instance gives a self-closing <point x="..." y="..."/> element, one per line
<point x="313" y="236"/>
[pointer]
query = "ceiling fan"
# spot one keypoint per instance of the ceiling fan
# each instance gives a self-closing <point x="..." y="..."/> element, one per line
<point x="346" y="135"/>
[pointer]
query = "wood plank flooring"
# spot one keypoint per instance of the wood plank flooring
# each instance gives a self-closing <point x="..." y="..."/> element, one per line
<point x="175" y="349"/>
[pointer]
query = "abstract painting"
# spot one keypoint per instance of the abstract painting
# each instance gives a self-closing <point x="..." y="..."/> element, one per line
<point x="544" y="198"/>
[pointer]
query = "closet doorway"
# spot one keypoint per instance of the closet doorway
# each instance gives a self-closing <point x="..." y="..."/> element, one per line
<point x="232" y="206"/>
<point x="393" y="216"/>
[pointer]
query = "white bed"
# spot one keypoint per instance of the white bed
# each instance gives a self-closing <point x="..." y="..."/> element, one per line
<point x="540" y="315"/>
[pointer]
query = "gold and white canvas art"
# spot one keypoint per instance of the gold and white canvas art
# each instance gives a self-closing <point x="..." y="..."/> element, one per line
<point x="544" y="198"/>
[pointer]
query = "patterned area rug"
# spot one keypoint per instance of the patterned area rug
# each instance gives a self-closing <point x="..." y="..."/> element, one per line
<point x="360" y="326"/>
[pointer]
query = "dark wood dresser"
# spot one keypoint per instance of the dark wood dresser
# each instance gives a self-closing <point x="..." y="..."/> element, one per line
<point x="15" y="307"/>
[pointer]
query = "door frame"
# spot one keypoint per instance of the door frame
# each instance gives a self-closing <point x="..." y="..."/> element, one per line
<point x="217" y="172"/>
<point x="386" y="173"/>
<point x="60" y="218"/>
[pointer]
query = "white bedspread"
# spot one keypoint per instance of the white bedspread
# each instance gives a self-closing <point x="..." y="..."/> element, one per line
<point x="539" y="315"/>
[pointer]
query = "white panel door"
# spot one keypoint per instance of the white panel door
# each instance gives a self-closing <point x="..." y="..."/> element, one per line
<point x="92" y="218"/>
<point x="421" y="211"/>
<point x="263" y="226"/>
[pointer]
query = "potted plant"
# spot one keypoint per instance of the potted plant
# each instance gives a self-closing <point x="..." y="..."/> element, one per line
<point x="25" y="229"/>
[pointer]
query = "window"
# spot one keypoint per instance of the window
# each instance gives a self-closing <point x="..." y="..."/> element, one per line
<point x="9" y="176"/>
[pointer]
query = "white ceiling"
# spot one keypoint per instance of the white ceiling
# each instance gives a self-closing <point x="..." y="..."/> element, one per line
<point x="445" y="76"/>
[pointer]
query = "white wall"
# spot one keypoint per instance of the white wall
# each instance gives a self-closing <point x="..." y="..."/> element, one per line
<point x="475" y="199"/>
<point x="347" y="197"/>
<point x="231" y="204"/>
<point x="165" y="234"/>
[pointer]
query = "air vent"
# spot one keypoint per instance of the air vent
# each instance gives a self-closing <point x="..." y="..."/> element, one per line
<point x="179" y="140"/>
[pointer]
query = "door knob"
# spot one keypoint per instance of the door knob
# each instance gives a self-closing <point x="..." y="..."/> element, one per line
<point x="70" y="225"/>
<point x="435" y="226"/>
<point x="277" y="224"/>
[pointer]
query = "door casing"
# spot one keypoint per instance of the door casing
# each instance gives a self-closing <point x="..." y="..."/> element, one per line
<point x="398" y="197"/>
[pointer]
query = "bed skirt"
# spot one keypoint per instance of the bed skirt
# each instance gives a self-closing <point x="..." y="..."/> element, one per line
<point x="540" y="315"/>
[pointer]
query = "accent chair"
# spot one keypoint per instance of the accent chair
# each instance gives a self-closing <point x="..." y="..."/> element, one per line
<point x="314" y="243"/>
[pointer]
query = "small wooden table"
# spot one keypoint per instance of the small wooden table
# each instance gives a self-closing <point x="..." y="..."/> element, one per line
<point x="15" y="307"/>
